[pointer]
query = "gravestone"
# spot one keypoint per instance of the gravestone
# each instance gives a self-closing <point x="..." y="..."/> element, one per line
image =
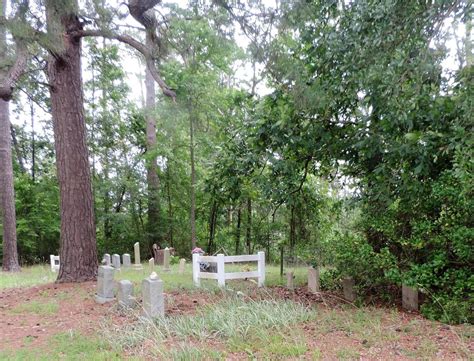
<point x="182" y="264"/>
<point x="348" y="284"/>
<point x="116" y="261"/>
<point x="106" y="259"/>
<point x="126" y="260"/>
<point x="125" y="294"/>
<point x="290" y="280"/>
<point x="159" y="254"/>
<point x="105" y="284"/>
<point x="151" y="264"/>
<point x="409" y="298"/>
<point x="153" y="298"/>
<point x="166" y="260"/>
<point x="136" y="248"/>
<point x="55" y="263"/>
<point x="313" y="280"/>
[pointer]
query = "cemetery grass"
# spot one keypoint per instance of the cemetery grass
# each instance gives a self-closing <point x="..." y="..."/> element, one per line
<point x="41" y="320"/>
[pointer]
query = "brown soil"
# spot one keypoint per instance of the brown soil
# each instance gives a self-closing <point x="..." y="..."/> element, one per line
<point x="77" y="311"/>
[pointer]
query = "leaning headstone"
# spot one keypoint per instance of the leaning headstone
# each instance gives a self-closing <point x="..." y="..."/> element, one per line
<point x="153" y="298"/>
<point x="156" y="254"/>
<point x="116" y="261"/>
<point x="55" y="263"/>
<point x="136" y="248"/>
<point x="105" y="284"/>
<point x="151" y="264"/>
<point x="348" y="284"/>
<point x="166" y="260"/>
<point x="409" y="298"/>
<point x="290" y="280"/>
<point x="126" y="260"/>
<point x="125" y="293"/>
<point x="182" y="264"/>
<point x="313" y="280"/>
<point x="106" y="259"/>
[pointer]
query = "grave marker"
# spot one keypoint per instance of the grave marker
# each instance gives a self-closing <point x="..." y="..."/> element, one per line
<point x="166" y="260"/>
<point x="126" y="260"/>
<point x="116" y="261"/>
<point x="290" y="280"/>
<point x="348" y="284"/>
<point x="151" y="263"/>
<point x="125" y="294"/>
<point x="409" y="298"/>
<point x="313" y="280"/>
<point x="105" y="284"/>
<point x="55" y="263"/>
<point x="153" y="298"/>
<point x="106" y="259"/>
<point x="182" y="265"/>
<point x="136" y="248"/>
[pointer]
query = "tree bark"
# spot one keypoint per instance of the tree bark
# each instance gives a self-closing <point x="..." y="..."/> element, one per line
<point x="249" y="225"/>
<point x="237" y="230"/>
<point x="153" y="181"/>
<point x="78" y="247"/>
<point x="7" y="194"/>
<point x="193" y="180"/>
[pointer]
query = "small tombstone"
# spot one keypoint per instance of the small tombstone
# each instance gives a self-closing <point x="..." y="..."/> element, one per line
<point x="290" y="280"/>
<point x="182" y="264"/>
<point x="136" y="248"/>
<point x="166" y="260"/>
<point x="116" y="261"/>
<point x="151" y="263"/>
<point x="126" y="260"/>
<point x="156" y="254"/>
<point x="153" y="298"/>
<point x="105" y="284"/>
<point x="106" y="259"/>
<point x="348" y="284"/>
<point x="125" y="293"/>
<point x="313" y="280"/>
<point x="55" y="264"/>
<point x="409" y="298"/>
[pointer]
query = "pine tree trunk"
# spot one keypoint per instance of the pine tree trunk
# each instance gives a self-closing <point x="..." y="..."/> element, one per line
<point x="249" y="225"/>
<point x="193" y="180"/>
<point x="7" y="194"/>
<point x="153" y="182"/>
<point x="78" y="247"/>
<point x="237" y="230"/>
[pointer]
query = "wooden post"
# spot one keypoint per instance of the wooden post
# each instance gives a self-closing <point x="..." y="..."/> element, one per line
<point x="196" y="270"/>
<point x="261" y="269"/>
<point x="220" y="270"/>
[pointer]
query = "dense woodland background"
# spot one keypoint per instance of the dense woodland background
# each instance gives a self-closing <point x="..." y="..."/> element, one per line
<point x="334" y="134"/>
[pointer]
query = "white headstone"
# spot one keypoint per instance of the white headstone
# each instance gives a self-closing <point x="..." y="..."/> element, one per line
<point x="107" y="259"/>
<point x="126" y="260"/>
<point x="55" y="264"/>
<point x="166" y="260"/>
<point x="116" y="261"/>
<point x="136" y="248"/>
<point x="151" y="264"/>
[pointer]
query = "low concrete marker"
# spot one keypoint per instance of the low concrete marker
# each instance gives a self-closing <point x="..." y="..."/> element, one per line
<point x="116" y="261"/>
<point x="153" y="297"/>
<point x="105" y="284"/>
<point x="313" y="280"/>
<point x="290" y="280"/>
<point x="348" y="284"/>
<point x="125" y="294"/>
<point x="409" y="298"/>
<point x="182" y="265"/>
<point x="166" y="260"/>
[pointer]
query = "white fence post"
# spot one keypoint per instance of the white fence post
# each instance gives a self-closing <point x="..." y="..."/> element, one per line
<point x="220" y="270"/>
<point x="261" y="269"/>
<point x="196" y="270"/>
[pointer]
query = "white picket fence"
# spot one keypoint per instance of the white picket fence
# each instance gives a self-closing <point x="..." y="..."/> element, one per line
<point x="221" y="276"/>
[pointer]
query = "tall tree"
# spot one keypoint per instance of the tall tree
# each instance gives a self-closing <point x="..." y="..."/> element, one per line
<point x="153" y="181"/>
<point x="7" y="193"/>
<point x="78" y="250"/>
